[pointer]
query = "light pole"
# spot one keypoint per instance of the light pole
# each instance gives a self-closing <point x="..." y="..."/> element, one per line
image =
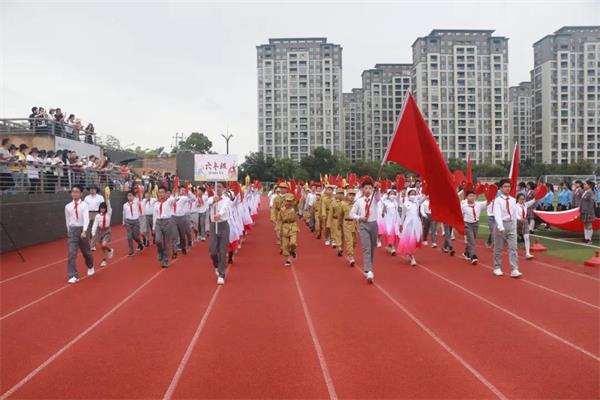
<point x="227" y="137"/>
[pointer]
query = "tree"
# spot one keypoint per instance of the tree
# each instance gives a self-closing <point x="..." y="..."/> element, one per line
<point x="110" y="142"/>
<point x="258" y="167"/>
<point x="321" y="161"/>
<point x="196" y="143"/>
<point x="149" y="153"/>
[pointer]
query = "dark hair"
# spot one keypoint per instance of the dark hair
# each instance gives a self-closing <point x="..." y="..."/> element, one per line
<point x="532" y="185"/>
<point x="162" y="188"/>
<point x="203" y="189"/>
<point x="522" y="184"/>
<point x="591" y="183"/>
<point x="411" y="190"/>
<point x="367" y="182"/>
<point x="34" y="109"/>
<point x="101" y="206"/>
<point x="579" y="182"/>
<point x="77" y="186"/>
<point x="468" y="192"/>
<point x="502" y="182"/>
<point x="550" y="187"/>
<point x="520" y="195"/>
<point x="131" y="192"/>
<point x="5" y="140"/>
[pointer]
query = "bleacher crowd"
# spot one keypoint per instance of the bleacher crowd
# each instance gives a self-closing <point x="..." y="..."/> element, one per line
<point x="54" y="121"/>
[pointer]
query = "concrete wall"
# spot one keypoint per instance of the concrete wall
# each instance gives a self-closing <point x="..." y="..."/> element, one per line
<point x="185" y="166"/>
<point x="40" y="218"/>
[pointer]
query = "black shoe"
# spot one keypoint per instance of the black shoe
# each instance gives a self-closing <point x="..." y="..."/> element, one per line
<point x="452" y="252"/>
<point x="174" y="255"/>
<point x="230" y="258"/>
<point x="339" y="253"/>
<point x="184" y="251"/>
<point x="140" y="246"/>
<point x="293" y="254"/>
<point x="474" y="260"/>
<point x="189" y="243"/>
<point x="130" y="254"/>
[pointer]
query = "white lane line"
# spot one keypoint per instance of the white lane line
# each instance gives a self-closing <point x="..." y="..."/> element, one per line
<point x="512" y="314"/>
<point x="56" y="291"/>
<point x="44" y="266"/>
<point x="66" y="347"/>
<point x="315" y="340"/>
<point x="444" y="345"/>
<point x="186" y="356"/>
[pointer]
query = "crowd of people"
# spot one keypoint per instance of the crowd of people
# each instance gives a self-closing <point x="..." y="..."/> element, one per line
<point x="33" y="170"/>
<point x="172" y="220"/>
<point x="399" y="219"/>
<point x="54" y="121"/>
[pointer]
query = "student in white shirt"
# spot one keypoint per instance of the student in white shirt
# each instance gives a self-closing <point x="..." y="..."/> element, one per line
<point x="202" y="205"/>
<point x="471" y="210"/>
<point x="181" y="209"/>
<point x="364" y="210"/>
<point x="429" y="226"/>
<point x="131" y="220"/>
<point x="162" y="225"/>
<point x="33" y="163"/>
<point x="93" y="201"/>
<point x="219" y="212"/>
<point x="505" y="214"/>
<point x="147" y="214"/>
<point x="76" y="218"/>
<point x="101" y="230"/>
<point x="522" y="222"/>
<point x="309" y="206"/>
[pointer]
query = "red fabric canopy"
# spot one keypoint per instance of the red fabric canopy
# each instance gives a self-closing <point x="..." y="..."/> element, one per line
<point x="565" y="220"/>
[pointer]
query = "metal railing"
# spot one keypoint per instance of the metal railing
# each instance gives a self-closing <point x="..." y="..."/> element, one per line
<point x="32" y="126"/>
<point x="33" y="177"/>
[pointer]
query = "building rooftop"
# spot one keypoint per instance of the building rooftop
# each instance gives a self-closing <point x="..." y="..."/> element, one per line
<point x="298" y="40"/>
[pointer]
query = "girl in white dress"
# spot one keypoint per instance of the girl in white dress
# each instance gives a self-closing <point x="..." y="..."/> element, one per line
<point x="390" y="221"/>
<point x="411" y="229"/>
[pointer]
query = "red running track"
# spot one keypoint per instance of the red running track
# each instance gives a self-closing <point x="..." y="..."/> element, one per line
<point x="443" y="329"/>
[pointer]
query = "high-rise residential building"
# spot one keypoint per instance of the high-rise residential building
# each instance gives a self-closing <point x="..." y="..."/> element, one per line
<point x="299" y="97"/>
<point x="566" y="95"/>
<point x="353" y="125"/>
<point x="384" y="87"/>
<point x="460" y="81"/>
<point x="519" y="118"/>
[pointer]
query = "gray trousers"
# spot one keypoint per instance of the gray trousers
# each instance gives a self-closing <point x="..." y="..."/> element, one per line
<point x="510" y="237"/>
<point x="429" y="226"/>
<point x="89" y="228"/>
<point x="217" y="245"/>
<point x="148" y="226"/>
<point x="133" y="232"/>
<point x="75" y="241"/>
<point x="368" y="242"/>
<point x="163" y="236"/>
<point x="447" y="236"/>
<point x="471" y="229"/>
<point x="202" y="224"/>
<point x="492" y="226"/>
<point x="182" y="224"/>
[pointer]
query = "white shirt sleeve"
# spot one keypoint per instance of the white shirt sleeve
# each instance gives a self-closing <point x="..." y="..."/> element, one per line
<point x="498" y="216"/>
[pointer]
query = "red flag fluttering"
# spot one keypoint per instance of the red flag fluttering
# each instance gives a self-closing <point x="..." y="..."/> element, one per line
<point x="514" y="171"/>
<point x="470" y="184"/>
<point x="414" y="147"/>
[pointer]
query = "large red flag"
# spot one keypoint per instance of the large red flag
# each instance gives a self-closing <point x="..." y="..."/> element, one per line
<point x="514" y="171"/>
<point x="414" y="147"/>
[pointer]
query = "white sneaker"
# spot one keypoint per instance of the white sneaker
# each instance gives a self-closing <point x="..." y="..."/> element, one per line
<point x="103" y="263"/>
<point x="93" y="248"/>
<point x="515" y="273"/>
<point x="73" y="279"/>
<point x="327" y="243"/>
<point x="528" y="256"/>
<point x="433" y="245"/>
<point x="91" y="271"/>
<point x="426" y="243"/>
<point x="413" y="262"/>
<point x="498" y="272"/>
<point x="378" y="243"/>
<point x="220" y="281"/>
<point x="110" y="253"/>
<point x="370" y="276"/>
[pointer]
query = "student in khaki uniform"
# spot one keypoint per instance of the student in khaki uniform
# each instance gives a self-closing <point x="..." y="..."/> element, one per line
<point x="334" y="221"/>
<point x="316" y="214"/>
<point x="277" y="205"/>
<point x="349" y="227"/>
<point x="326" y="199"/>
<point x="289" y="229"/>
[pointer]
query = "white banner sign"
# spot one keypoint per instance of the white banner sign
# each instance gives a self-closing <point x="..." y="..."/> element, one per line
<point x="215" y="167"/>
<point x="83" y="149"/>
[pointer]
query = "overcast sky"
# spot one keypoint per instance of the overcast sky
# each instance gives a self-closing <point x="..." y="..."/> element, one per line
<point x="142" y="71"/>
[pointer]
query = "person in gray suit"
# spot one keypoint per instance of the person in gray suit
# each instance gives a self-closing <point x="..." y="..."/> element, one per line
<point x="587" y="212"/>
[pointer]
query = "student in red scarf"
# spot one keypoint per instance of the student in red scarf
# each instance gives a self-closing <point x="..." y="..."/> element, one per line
<point x="101" y="230"/>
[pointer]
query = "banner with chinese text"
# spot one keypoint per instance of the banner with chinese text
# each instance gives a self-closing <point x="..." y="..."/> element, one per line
<point x="215" y="167"/>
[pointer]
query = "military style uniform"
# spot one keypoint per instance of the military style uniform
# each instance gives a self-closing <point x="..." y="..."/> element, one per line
<point x="334" y="222"/>
<point x="288" y="227"/>
<point x="277" y="206"/>
<point x="316" y="215"/>
<point x="325" y="207"/>
<point x="349" y="229"/>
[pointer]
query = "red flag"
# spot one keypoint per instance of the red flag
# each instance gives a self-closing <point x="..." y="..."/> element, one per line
<point x="514" y="171"/>
<point x="414" y="147"/>
<point x="470" y="184"/>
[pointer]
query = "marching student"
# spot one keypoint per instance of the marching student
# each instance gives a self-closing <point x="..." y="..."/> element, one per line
<point x="101" y="230"/>
<point x="411" y="229"/>
<point x="326" y="200"/>
<point x="523" y="208"/>
<point x="147" y="215"/>
<point x="277" y="204"/>
<point x="471" y="210"/>
<point x="289" y="229"/>
<point x="162" y="225"/>
<point x="505" y="214"/>
<point x="448" y="237"/>
<point x="93" y="201"/>
<point x="316" y="213"/>
<point x="180" y="218"/>
<point x="219" y="211"/>
<point x="77" y="220"/>
<point x="389" y="221"/>
<point x="587" y="212"/>
<point x="349" y="226"/>
<point x="309" y="205"/>
<point x="131" y="221"/>
<point x="334" y="221"/>
<point x="429" y="225"/>
<point x="364" y="210"/>
<point x="202" y="206"/>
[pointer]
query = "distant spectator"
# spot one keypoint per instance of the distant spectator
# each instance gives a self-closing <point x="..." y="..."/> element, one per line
<point x="6" y="179"/>
<point x="33" y="162"/>
<point x="34" y="112"/>
<point x="565" y="197"/>
<point x="70" y="127"/>
<point x="89" y="133"/>
<point x="21" y="181"/>
<point x="77" y="127"/>
<point x="58" y="115"/>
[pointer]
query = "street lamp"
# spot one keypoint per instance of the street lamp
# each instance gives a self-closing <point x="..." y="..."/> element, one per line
<point x="227" y="138"/>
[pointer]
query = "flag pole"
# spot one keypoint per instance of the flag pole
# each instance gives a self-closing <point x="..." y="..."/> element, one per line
<point x="404" y="102"/>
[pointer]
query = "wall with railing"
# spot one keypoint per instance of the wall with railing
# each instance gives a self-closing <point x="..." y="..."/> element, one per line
<point x="37" y="126"/>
